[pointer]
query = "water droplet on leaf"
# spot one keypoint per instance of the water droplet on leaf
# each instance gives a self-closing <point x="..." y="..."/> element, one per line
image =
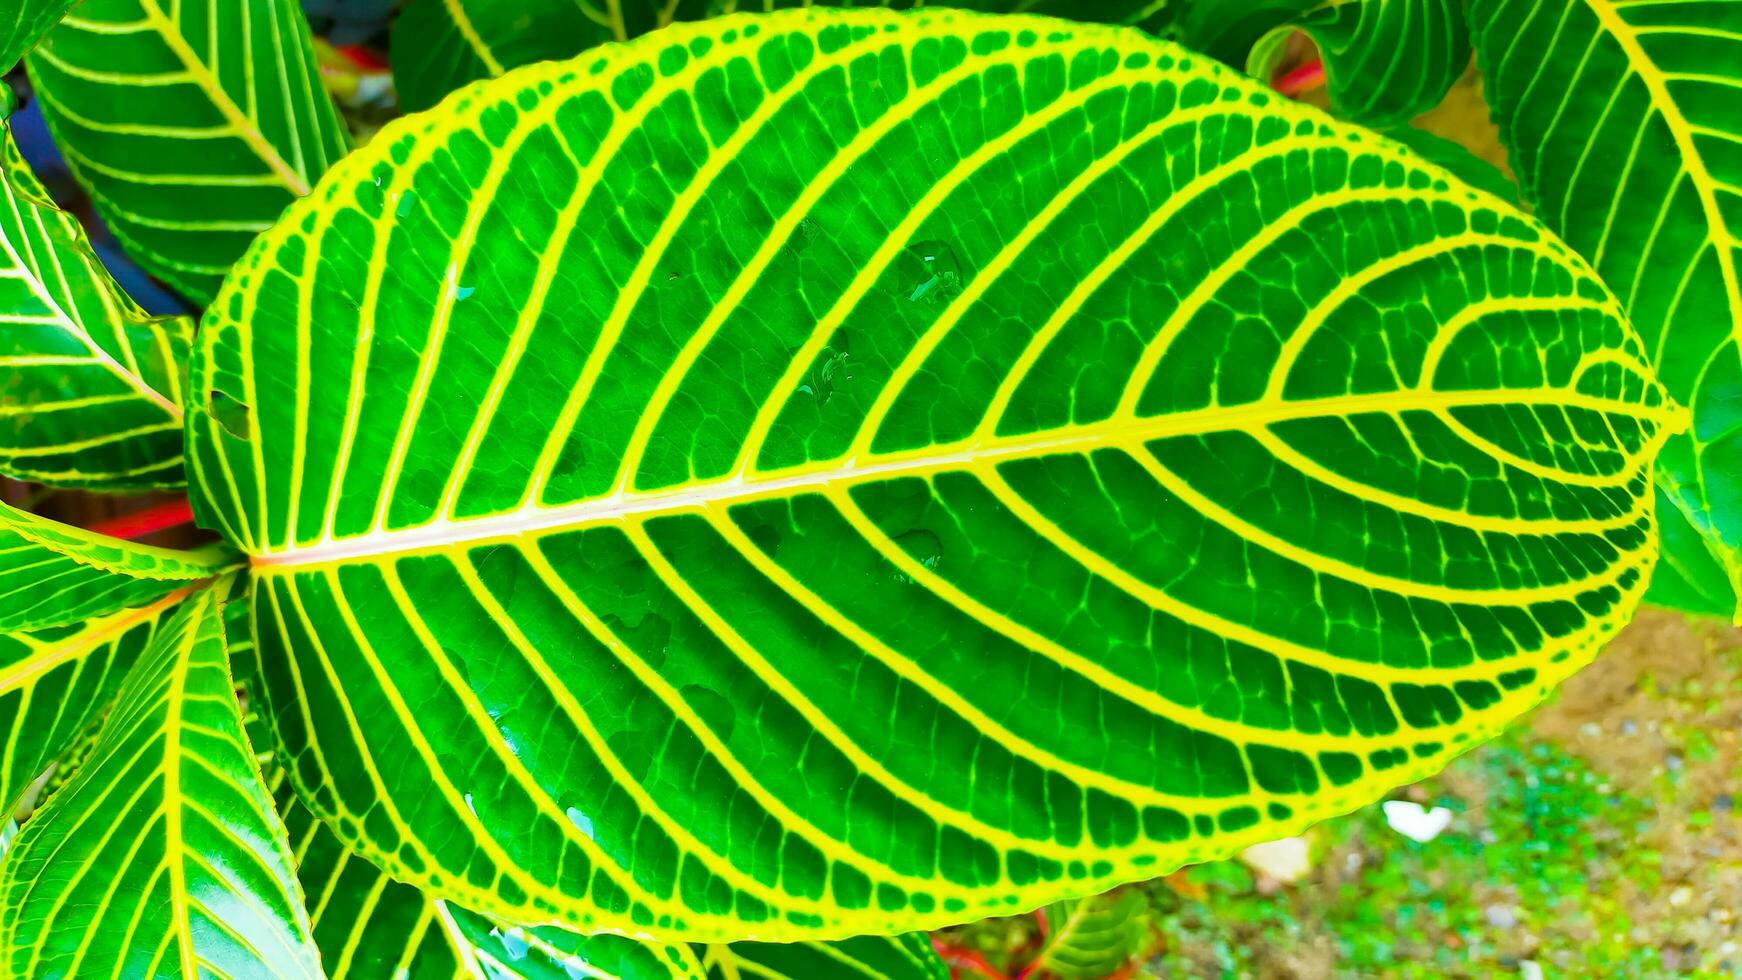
<point x="582" y="822"/>
<point x="923" y="546"/>
<point x="933" y="273"/>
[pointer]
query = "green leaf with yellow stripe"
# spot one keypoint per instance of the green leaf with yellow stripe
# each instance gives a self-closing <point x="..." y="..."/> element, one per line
<point x="829" y="473"/>
<point x="440" y="45"/>
<point x="163" y="857"/>
<point x="368" y="925"/>
<point x="192" y="123"/>
<point x="55" y="683"/>
<point x="93" y="385"/>
<point x="1621" y="121"/>
<point x="52" y="574"/>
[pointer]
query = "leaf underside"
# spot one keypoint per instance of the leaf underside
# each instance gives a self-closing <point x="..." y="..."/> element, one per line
<point x="1621" y="122"/>
<point x="840" y="473"/>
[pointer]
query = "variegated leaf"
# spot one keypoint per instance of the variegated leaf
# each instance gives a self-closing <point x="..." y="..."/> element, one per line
<point x="52" y="574"/>
<point x="91" y="395"/>
<point x="440" y="45"/>
<point x="827" y="473"/>
<point x="55" y="683"/>
<point x="1622" y="123"/>
<point x="163" y="857"/>
<point x="192" y="123"/>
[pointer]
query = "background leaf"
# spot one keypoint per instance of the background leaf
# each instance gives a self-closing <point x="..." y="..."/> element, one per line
<point x="191" y="124"/>
<point x="93" y="385"/>
<point x="1092" y="938"/>
<point x="163" y="856"/>
<point x="1621" y="123"/>
<point x="52" y="574"/>
<point x="55" y="683"/>
<point x="1386" y="61"/>
<point x="908" y="957"/>
<point x="440" y="45"/>
<point x="24" y="23"/>
<point x="984" y="462"/>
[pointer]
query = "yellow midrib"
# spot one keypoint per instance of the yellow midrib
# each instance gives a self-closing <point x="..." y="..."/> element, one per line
<point x="202" y="76"/>
<point x="172" y="829"/>
<point x="742" y="487"/>
<point x="33" y="279"/>
<point x="469" y="32"/>
<point x="87" y="640"/>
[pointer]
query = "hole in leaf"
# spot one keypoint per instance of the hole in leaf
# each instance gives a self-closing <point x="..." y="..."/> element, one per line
<point x="234" y="416"/>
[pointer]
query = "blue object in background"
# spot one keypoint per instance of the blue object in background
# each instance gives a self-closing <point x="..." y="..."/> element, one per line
<point x="349" y="21"/>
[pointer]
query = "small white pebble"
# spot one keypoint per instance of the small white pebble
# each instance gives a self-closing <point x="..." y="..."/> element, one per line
<point x="1591" y="728"/>
<point x="1286" y="860"/>
<point x="1416" y="822"/>
<point x="1681" y="895"/>
<point x="1530" y="969"/>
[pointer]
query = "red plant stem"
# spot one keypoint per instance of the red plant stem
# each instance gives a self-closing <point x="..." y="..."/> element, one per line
<point x="1299" y="81"/>
<point x="959" y="958"/>
<point x="173" y="513"/>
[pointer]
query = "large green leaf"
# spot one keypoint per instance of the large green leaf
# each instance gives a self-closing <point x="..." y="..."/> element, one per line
<point x="92" y="393"/>
<point x="1622" y="123"/>
<point x="55" y="683"/>
<point x="849" y="472"/>
<point x="163" y="857"/>
<point x="23" y="23"/>
<point x="192" y="124"/>
<point x="52" y="574"/>
<point x="368" y="926"/>
<point x="440" y="45"/>
<point x="1386" y="61"/>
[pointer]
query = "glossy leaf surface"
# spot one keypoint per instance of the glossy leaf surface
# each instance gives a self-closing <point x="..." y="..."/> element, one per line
<point x="440" y="45"/>
<point x="1622" y="123"/>
<point x="52" y="574"/>
<point x="93" y="385"/>
<point x="979" y="463"/>
<point x="370" y="926"/>
<point x="192" y="124"/>
<point x="1386" y="61"/>
<point x="23" y="22"/>
<point x="163" y="857"/>
<point x="56" y="683"/>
